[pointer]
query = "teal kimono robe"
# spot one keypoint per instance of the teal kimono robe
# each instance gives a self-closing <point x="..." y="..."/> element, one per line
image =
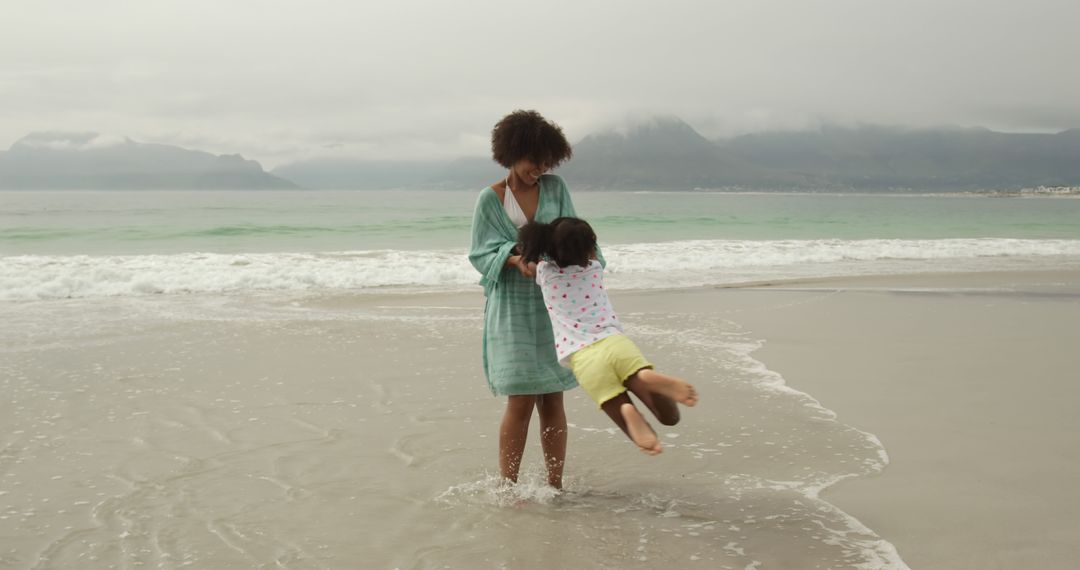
<point x="518" y="345"/>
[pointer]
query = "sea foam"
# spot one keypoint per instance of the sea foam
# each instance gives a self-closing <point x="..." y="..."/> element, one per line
<point x="674" y="264"/>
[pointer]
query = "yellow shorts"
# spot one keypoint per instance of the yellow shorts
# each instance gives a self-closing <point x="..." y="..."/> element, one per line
<point x="602" y="367"/>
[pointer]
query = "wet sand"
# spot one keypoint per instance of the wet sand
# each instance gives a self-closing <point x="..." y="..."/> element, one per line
<point x="357" y="429"/>
<point x="970" y="382"/>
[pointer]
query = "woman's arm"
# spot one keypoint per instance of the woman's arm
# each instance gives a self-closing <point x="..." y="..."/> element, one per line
<point x="490" y="251"/>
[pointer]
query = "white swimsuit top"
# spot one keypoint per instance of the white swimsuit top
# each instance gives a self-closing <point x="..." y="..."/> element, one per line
<point x="513" y="209"/>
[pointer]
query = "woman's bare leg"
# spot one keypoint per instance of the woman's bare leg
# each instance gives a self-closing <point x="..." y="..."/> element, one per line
<point x="512" y="434"/>
<point x="553" y="435"/>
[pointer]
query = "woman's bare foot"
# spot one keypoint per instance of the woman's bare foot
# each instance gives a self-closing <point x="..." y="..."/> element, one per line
<point x="679" y="390"/>
<point x="639" y="429"/>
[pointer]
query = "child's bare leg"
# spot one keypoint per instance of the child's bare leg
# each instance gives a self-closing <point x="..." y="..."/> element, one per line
<point x="640" y="431"/>
<point x="613" y="408"/>
<point x="553" y="435"/>
<point x="512" y="434"/>
<point x="662" y="407"/>
<point x="675" y="388"/>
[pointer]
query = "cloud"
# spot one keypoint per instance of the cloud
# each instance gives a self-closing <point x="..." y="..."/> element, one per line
<point x="70" y="141"/>
<point x="427" y="79"/>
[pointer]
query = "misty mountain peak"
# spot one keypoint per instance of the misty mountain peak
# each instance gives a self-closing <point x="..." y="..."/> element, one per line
<point x="89" y="160"/>
<point x="655" y="125"/>
<point x="657" y="134"/>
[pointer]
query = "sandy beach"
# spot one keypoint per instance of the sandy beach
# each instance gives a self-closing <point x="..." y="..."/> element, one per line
<point x="240" y="431"/>
<point x="970" y="383"/>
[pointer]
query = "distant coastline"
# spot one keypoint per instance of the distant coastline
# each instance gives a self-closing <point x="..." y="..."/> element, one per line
<point x="1055" y="191"/>
<point x="1038" y="192"/>
<point x="90" y="161"/>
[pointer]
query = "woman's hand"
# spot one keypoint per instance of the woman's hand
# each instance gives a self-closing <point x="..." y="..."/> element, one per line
<point x="527" y="270"/>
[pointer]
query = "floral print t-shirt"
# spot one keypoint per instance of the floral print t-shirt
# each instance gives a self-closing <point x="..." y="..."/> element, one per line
<point x="578" y="305"/>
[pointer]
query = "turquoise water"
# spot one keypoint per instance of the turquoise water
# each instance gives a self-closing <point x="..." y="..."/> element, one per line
<point x="57" y="245"/>
<point x="827" y="216"/>
<point x="96" y="223"/>
<point x="60" y="223"/>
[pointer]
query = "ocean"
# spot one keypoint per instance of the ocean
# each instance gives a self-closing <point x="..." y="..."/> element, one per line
<point x="92" y="244"/>
<point x="292" y="379"/>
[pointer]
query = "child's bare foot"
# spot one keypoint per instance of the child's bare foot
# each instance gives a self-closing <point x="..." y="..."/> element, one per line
<point x="679" y="390"/>
<point x="639" y="429"/>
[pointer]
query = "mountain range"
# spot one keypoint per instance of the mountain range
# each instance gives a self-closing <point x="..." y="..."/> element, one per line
<point x="89" y="161"/>
<point x="668" y="154"/>
<point x="658" y="154"/>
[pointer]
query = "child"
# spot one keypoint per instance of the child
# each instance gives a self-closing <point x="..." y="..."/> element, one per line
<point x="588" y="335"/>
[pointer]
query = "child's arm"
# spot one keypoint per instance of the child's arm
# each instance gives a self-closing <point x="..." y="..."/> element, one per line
<point x="540" y="269"/>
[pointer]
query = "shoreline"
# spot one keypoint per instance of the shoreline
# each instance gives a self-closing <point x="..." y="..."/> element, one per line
<point x="961" y="380"/>
<point x="973" y="452"/>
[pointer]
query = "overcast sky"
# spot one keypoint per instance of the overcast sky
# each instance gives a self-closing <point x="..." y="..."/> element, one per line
<point x="284" y="80"/>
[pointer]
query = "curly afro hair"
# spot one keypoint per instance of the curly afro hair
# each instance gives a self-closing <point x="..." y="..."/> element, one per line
<point x="528" y="135"/>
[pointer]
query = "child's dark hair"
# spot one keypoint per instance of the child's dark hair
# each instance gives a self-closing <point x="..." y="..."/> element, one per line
<point x="567" y="241"/>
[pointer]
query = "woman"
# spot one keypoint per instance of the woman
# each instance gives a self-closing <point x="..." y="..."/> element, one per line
<point x="518" y="348"/>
